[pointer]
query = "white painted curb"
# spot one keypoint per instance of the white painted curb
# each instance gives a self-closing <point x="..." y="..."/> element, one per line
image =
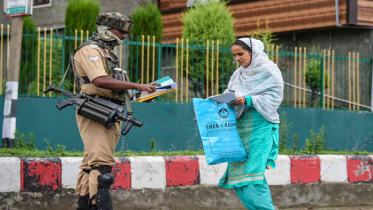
<point x="210" y="174"/>
<point x="148" y="172"/>
<point x="281" y="174"/>
<point x="70" y="169"/>
<point x="10" y="174"/>
<point x="333" y="168"/>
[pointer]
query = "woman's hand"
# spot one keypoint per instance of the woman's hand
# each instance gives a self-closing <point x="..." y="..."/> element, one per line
<point x="240" y="101"/>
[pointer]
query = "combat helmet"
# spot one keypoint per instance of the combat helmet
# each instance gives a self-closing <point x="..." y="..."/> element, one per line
<point x="115" y="20"/>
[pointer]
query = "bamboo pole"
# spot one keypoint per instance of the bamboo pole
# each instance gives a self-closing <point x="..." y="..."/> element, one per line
<point x="45" y="60"/>
<point x="217" y="67"/>
<point x="147" y="60"/>
<point x="142" y="58"/>
<point x="304" y="76"/>
<point x="323" y="81"/>
<point x="177" y="65"/>
<point x="8" y="47"/>
<point x="333" y="54"/>
<point x="181" y="72"/>
<point x="50" y="59"/>
<point x="38" y="65"/>
<point x="187" y="71"/>
<point x="153" y="77"/>
<point x="358" y="80"/>
<point x="353" y="81"/>
<point x="349" y="80"/>
<point x="295" y="76"/>
<point x="207" y="68"/>
<point x="328" y="82"/>
<point x="212" y="67"/>
<point x="300" y="78"/>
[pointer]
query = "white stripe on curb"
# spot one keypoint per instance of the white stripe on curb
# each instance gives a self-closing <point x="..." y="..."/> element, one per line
<point x="70" y="170"/>
<point x="281" y="174"/>
<point x="148" y="172"/>
<point x="333" y="168"/>
<point x="210" y="174"/>
<point x="10" y="174"/>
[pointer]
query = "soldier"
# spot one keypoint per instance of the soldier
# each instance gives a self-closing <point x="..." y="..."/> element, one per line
<point x="97" y="73"/>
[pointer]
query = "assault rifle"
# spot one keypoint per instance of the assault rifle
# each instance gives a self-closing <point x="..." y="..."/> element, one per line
<point x="97" y="109"/>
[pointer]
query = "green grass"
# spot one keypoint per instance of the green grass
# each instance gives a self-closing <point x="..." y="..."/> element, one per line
<point x="22" y="152"/>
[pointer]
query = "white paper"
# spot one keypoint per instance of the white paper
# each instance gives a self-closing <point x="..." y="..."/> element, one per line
<point x="224" y="98"/>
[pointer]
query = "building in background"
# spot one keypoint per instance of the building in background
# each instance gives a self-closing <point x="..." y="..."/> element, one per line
<point x="341" y="25"/>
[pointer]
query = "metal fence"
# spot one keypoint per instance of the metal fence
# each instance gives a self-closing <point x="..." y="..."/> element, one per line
<point x="313" y="77"/>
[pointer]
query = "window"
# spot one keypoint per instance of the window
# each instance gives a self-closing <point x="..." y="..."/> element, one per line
<point x="42" y="3"/>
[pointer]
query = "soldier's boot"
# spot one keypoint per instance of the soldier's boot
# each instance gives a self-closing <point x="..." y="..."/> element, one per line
<point x="105" y="180"/>
<point x="83" y="202"/>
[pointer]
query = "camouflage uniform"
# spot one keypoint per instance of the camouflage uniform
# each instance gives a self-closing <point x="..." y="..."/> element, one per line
<point x="89" y="61"/>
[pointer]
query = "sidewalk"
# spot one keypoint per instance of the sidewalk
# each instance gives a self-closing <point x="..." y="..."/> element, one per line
<point x="335" y="208"/>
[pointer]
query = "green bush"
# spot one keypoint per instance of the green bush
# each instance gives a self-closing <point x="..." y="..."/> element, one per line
<point x="28" y="52"/>
<point x="147" y="21"/>
<point x="284" y="132"/>
<point x="314" y="78"/>
<point x="23" y="141"/>
<point x="80" y="15"/>
<point x="316" y="143"/>
<point x="208" y="21"/>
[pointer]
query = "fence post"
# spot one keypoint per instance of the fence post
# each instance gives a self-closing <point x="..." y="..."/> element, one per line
<point x="159" y="67"/>
<point x="11" y="94"/>
<point x="322" y="82"/>
<point x="371" y="88"/>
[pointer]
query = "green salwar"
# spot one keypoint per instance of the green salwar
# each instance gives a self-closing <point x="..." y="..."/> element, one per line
<point x="256" y="196"/>
<point x="260" y="140"/>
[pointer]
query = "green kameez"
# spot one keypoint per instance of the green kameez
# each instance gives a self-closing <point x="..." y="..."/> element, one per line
<point x="260" y="140"/>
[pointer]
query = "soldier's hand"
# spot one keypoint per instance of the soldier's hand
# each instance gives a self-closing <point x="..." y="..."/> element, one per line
<point x="148" y="87"/>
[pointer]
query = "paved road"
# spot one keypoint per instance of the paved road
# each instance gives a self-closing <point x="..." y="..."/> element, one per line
<point x="335" y="208"/>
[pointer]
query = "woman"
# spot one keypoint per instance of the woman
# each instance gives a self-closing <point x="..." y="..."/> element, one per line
<point x="258" y="86"/>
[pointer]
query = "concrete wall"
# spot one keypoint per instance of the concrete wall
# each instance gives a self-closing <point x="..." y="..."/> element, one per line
<point x="54" y="16"/>
<point x="171" y="125"/>
<point x="187" y="182"/>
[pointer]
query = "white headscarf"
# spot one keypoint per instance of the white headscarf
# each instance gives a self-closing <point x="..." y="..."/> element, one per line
<point x="106" y="35"/>
<point x="262" y="80"/>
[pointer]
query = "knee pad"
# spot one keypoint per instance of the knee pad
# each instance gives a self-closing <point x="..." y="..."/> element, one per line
<point x="105" y="181"/>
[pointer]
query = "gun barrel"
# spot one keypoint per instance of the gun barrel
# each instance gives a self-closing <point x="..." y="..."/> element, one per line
<point x="130" y="119"/>
<point x="56" y="89"/>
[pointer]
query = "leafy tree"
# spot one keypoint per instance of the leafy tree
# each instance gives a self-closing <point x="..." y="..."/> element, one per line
<point x="80" y="15"/>
<point x="147" y="21"/>
<point x="28" y="52"/>
<point x="212" y="21"/>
